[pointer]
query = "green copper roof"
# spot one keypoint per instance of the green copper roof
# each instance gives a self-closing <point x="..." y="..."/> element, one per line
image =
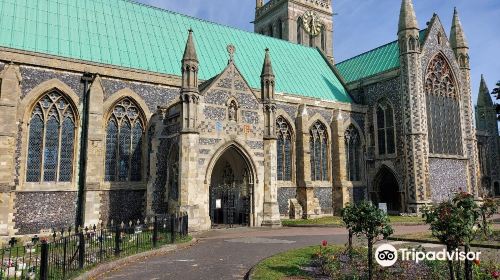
<point x="128" y="34"/>
<point x="372" y="62"/>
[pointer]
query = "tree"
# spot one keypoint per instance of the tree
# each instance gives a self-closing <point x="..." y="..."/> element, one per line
<point x="365" y="219"/>
<point x="349" y="217"/>
<point x="454" y="223"/>
<point x="487" y="210"/>
<point x="496" y="91"/>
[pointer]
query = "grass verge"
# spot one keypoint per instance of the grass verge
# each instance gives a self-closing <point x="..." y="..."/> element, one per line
<point x="337" y="221"/>
<point x="287" y="264"/>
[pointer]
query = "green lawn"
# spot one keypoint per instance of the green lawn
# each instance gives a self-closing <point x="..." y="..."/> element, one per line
<point x="337" y="221"/>
<point x="423" y="236"/>
<point x="286" y="264"/>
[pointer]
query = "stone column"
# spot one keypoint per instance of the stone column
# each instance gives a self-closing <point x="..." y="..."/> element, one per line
<point x="95" y="154"/>
<point x="340" y="188"/>
<point x="305" y="190"/>
<point x="10" y="91"/>
<point x="271" y="208"/>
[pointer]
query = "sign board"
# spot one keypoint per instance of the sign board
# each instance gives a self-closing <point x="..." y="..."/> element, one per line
<point x="383" y="207"/>
<point x="218" y="203"/>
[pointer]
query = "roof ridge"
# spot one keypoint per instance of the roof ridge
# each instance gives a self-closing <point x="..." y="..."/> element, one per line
<point x="216" y="23"/>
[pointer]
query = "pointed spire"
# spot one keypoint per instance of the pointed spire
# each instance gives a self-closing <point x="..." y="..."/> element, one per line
<point x="190" y="51"/>
<point x="457" y="35"/>
<point x="407" y="17"/>
<point x="484" y="98"/>
<point x="267" y="68"/>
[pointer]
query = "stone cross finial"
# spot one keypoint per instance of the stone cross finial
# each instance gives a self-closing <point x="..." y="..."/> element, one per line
<point x="231" y="49"/>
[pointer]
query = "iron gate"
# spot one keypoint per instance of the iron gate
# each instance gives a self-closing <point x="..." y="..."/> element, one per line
<point x="229" y="205"/>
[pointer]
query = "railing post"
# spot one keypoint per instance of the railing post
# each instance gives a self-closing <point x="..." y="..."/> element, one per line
<point x="155" y="231"/>
<point x="44" y="261"/>
<point x="117" y="240"/>
<point x="81" y="249"/>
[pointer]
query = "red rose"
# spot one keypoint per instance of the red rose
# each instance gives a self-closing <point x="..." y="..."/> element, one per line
<point x="477" y="262"/>
<point x="324" y="243"/>
<point x="495" y="274"/>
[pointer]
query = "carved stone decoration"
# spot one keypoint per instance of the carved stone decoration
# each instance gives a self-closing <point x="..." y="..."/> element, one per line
<point x="232" y="111"/>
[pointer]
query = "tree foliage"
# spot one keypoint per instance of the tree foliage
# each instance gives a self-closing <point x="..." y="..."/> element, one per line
<point x="365" y="219"/>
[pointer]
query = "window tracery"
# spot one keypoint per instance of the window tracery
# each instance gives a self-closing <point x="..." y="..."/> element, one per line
<point x="318" y="142"/>
<point x="124" y="138"/>
<point x="353" y="153"/>
<point x="443" y="109"/>
<point x="51" y="140"/>
<point x="385" y="128"/>
<point x="284" y="149"/>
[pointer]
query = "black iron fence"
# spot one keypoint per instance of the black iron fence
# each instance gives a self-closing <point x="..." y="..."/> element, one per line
<point x="68" y="252"/>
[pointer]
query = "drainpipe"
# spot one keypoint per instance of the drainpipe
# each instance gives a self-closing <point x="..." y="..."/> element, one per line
<point x="87" y="78"/>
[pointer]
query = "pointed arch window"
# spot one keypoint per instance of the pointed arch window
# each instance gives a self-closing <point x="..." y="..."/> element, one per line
<point x="51" y="140"/>
<point x="299" y="31"/>
<point x="280" y="29"/>
<point x="323" y="38"/>
<point x="284" y="149"/>
<point x="385" y="129"/>
<point x="124" y="138"/>
<point x="173" y="173"/>
<point x="443" y="109"/>
<point x="353" y="153"/>
<point x="318" y="143"/>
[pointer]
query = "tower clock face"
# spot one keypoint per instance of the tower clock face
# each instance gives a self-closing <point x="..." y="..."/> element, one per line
<point x="311" y="23"/>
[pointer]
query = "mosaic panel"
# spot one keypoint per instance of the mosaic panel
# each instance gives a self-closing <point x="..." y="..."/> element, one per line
<point x="217" y="97"/>
<point x="209" y="141"/>
<point x="324" y="196"/>
<point x="122" y="206"/>
<point x="326" y="114"/>
<point x="250" y="117"/>
<point x="154" y="96"/>
<point x="214" y="113"/>
<point x="32" y="77"/>
<point x="256" y="145"/>
<point x="284" y="194"/>
<point x="447" y="176"/>
<point x="36" y="211"/>
<point x="289" y="109"/>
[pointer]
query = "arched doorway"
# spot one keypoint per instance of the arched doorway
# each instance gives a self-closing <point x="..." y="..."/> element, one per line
<point x="231" y="189"/>
<point x="386" y="187"/>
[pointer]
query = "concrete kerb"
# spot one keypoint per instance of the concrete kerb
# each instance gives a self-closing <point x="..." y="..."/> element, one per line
<point x="100" y="270"/>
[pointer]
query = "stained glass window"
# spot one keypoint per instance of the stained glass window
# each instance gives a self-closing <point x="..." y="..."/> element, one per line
<point x="67" y="150"/>
<point x="50" y="142"/>
<point x="284" y="149"/>
<point x="353" y="153"/>
<point x="124" y="139"/>
<point x="443" y="110"/>
<point x="318" y="142"/>
<point x="385" y="128"/>
<point x="35" y="149"/>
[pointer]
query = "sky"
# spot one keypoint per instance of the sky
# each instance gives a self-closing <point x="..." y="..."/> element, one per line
<point x="362" y="25"/>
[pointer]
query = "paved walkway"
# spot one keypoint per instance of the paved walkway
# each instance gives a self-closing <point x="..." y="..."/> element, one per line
<point x="229" y="254"/>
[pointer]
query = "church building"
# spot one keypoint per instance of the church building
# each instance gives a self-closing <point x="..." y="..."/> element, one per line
<point x="114" y="110"/>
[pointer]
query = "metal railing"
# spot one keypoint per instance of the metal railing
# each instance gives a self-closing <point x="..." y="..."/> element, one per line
<point x="68" y="252"/>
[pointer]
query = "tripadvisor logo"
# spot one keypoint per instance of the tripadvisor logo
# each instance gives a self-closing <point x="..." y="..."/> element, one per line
<point x="386" y="255"/>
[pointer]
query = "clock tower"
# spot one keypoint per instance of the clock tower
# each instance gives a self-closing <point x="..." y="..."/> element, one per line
<point x="305" y="22"/>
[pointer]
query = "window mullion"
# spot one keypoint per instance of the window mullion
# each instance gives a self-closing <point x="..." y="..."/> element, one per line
<point x="42" y="166"/>
<point x="58" y="161"/>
